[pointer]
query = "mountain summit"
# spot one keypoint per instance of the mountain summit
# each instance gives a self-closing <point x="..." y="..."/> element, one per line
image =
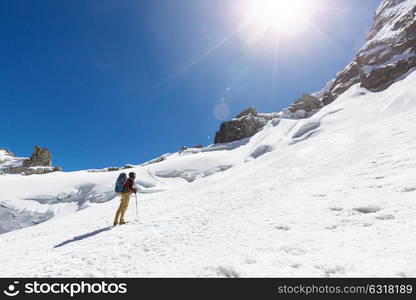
<point x="389" y="53"/>
<point x="40" y="162"/>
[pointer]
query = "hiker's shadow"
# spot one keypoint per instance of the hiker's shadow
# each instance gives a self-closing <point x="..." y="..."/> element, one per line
<point x="84" y="236"/>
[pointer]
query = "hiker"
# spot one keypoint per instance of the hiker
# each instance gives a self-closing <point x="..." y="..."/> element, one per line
<point x="127" y="190"/>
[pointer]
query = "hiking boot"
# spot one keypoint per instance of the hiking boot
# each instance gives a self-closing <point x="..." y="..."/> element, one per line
<point x="122" y="222"/>
<point x="115" y="224"/>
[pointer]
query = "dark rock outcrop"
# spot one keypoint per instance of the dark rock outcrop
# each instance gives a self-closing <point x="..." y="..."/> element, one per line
<point x="343" y="82"/>
<point x="185" y="148"/>
<point x="40" y="157"/>
<point x="389" y="53"/>
<point x="33" y="170"/>
<point x="307" y="103"/>
<point x="156" y="160"/>
<point x="40" y="162"/>
<point x="246" y="124"/>
<point x="251" y="111"/>
<point x="112" y="169"/>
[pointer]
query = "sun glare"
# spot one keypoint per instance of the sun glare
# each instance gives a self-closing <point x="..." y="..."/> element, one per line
<point x="277" y="13"/>
<point x="282" y="16"/>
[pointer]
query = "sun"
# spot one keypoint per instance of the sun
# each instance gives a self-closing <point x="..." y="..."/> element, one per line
<point x="282" y="16"/>
<point x="278" y="13"/>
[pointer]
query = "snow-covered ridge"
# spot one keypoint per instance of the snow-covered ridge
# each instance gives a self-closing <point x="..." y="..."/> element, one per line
<point x="74" y="191"/>
<point x="40" y="162"/>
<point x="392" y="17"/>
<point x="9" y="160"/>
<point x="389" y="53"/>
<point x="29" y="200"/>
<point x="299" y="193"/>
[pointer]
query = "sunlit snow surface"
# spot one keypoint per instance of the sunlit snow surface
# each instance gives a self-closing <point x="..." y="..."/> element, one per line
<point x="332" y="195"/>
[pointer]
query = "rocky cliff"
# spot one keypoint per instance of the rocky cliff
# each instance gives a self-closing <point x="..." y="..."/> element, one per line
<point x="246" y="124"/>
<point x="40" y="162"/>
<point x="306" y="103"/>
<point x="388" y="54"/>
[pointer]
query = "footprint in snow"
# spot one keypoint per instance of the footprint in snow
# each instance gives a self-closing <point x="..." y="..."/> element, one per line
<point x="227" y="272"/>
<point x="362" y="174"/>
<point x="282" y="227"/>
<point x="367" y="224"/>
<point x="293" y="250"/>
<point x="408" y="189"/>
<point x="375" y="186"/>
<point x="332" y="227"/>
<point x="331" y="271"/>
<point x="385" y="217"/>
<point x="367" y="209"/>
<point x="403" y="275"/>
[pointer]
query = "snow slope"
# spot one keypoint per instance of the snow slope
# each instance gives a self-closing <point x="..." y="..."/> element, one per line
<point x="29" y="200"/>
<point x="332" y="195"/>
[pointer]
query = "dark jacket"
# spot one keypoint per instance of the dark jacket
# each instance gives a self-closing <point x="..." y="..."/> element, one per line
<point x="129" y="186"/>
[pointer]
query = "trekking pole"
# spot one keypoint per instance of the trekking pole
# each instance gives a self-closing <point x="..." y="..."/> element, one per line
<point x="137" y="209"/>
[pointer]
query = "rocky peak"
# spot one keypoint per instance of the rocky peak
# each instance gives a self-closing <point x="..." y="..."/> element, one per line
<point x="389" y="53"/>
<point x="393" y="17"/>
<point x="40" y="157"/>
<point x="244" y="125"/>
<point x="306" y="103"/>
<point x="40" y="162"/>
<point x="251" y="111"/>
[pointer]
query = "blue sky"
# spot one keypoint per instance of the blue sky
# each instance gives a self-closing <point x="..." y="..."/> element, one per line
<point x="107" y="82"/>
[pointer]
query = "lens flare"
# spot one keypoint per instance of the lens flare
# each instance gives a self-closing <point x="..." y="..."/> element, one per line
<point x="285" y="17"/>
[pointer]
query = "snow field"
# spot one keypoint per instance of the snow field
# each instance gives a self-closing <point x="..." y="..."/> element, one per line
<point x="333" y="195"/>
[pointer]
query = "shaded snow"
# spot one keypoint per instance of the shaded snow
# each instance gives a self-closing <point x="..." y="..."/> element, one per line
<point x="7" y="161"/>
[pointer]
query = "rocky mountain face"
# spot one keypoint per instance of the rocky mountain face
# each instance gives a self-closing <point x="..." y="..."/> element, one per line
<point x="249" y="121"/>
<point x="40" y="162"/>
<point x="306" y="103"/>
<point x="388" y="54"/>
<point x="246" y="124"/>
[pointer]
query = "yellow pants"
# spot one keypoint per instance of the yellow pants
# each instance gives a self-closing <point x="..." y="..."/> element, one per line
<point x="124" y="203"/>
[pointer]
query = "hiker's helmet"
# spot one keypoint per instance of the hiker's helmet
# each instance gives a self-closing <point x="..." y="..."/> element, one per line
<point x="132" y="175"/>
